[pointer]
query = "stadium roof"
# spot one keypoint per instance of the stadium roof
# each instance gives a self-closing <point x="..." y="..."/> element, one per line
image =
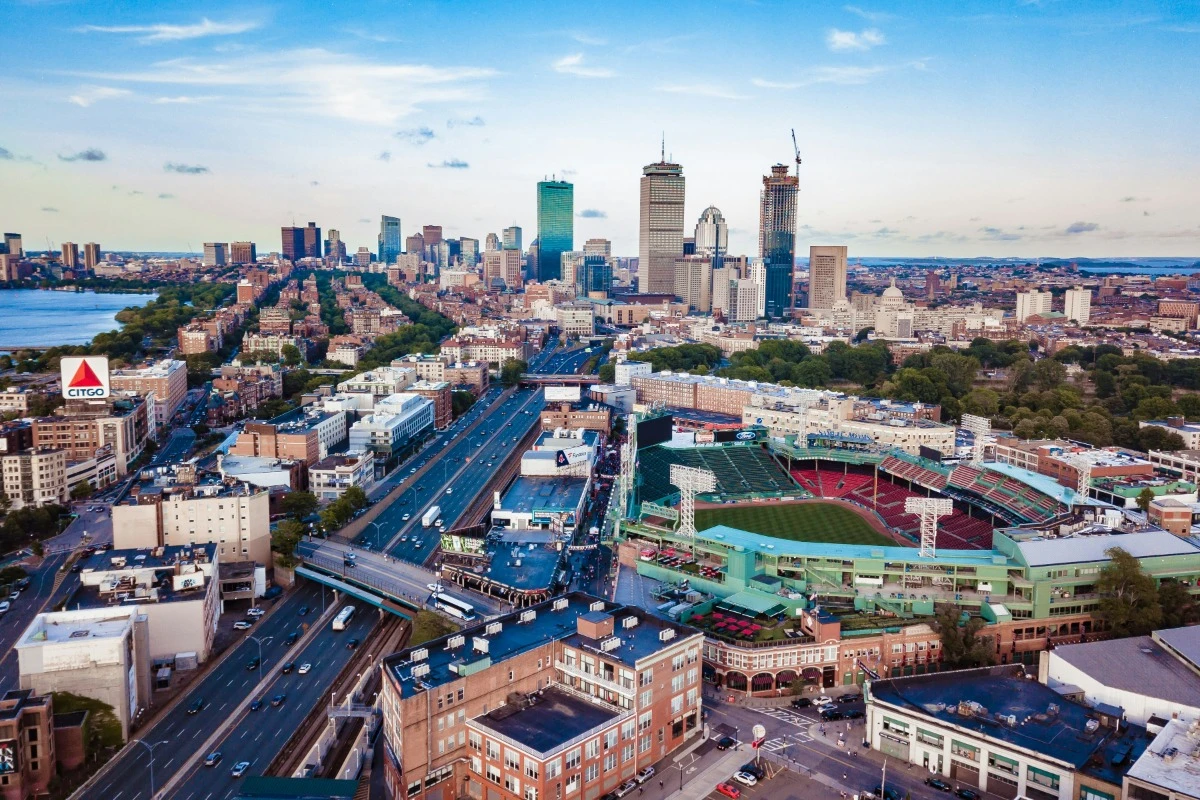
<point x="786" y="548"/>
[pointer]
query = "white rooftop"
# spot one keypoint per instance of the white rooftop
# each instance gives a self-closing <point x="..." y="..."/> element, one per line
<point x="1172" y="761"/>
<point x="1090" y="548"/>
<point x="74" y="626"/>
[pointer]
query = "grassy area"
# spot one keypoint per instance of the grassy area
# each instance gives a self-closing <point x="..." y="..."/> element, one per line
<point x="427" y="626"/>
<point x="804" y="522"/>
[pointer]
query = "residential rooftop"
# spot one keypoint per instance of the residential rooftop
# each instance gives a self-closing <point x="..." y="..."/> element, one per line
<point x="548" y="720"/>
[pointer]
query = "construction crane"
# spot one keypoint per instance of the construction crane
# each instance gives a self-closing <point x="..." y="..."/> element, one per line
<point x="796" y="147"/>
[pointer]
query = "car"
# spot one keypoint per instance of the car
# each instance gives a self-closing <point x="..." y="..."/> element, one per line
<point x="303" y="611"/>
<point x="967" y="794"/>
<point x="287" y="667"/>
<point x="433" y="587"/>
<point x="441" y="528"/>
<point x="255" y="612"/>
<point x="754" y="769"/>
<point x="352" y="644"/>
<point x="411" y="471"/>
<point x="239" y="769"/>
<point x="626" y="787"/>
<point x="278" y="699"/>
<point x="850" y="698"/>
<point x="823" y="700"/>
<point x="801" y="702"/>
<point x="212" y="759"/>
<point x="77" y="568"/>
<point x="855" y="713"/>
<point x="272" y="593"/>
<point x="645" y="775"/>
<point x="304" y="668"/>
<point x="252" y="664"/>
<point x="406" y="518"/>
<point x="256" y="705"/>
<point x="291" y="638"/>
<point x="726" y="742"/>
<point x="196" y="706"/>
<point x="891" y="793"/>
<point x="729" y="790"/>
<point x="745" y="778"/>
<point x="939" y="784"/>
<point x="242" y="625"/>
<point x="832" y="715"/>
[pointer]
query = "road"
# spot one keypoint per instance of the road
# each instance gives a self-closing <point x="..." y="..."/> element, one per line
<point x="176" y="448"/>
<point x="223" y="689"/>
<point x="14" y="621"/>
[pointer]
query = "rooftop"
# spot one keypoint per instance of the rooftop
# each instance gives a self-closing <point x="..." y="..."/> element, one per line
<point x="1089" y="546"/>
<point x="548" y="720"/>
<point x="1183" y="642"/>
<point x="58" y="627"/>
<point x="1001" y="704"/>
<point x="545" y="495"/>
<point x="340" y="460"/>
<point x="1043" y="483"/>
<point x="1173" y="760"/>
<point x="1138" y="665"/>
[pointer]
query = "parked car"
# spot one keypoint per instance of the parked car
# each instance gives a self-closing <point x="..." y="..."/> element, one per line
<point x="5" y="606"/>
<point x="255" y="612"/>
<point x="823" y="700"/>
<point x="213" y="759"/>
<point x="645" y="775"/>
<point x="745" y="778"/>
<point x="850" y="698"/>
<point x="272" y="593"/>
<point x="891" y="793"/>
<point x="968" y="794"/>
<point x="729" y="790"/>
<point x="726" y="742"/>
<point x="832" y="715"/>
<point x="239" y="769"/>
<point x="801" y="702"/>
<point x="242" y="625"/>
<point x="754" y="769"/>
<point x="938" y="784"/>
<point x="855" y="713"/>
<point x="626" y="787"/>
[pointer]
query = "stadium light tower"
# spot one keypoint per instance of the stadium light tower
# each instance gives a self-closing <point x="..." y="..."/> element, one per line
<point x="691" y="481"/>
<point x="1083" y="465"/>
<point x="979" y="427"/>
<point x="928" y="509"/>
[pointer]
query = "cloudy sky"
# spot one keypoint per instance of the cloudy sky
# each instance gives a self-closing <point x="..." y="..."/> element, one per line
<point x="1012" y="127"/>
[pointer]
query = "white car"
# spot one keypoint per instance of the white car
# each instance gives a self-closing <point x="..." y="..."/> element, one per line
<point x="241" y="625"/>
<point x="239" y="769"/>
<point x="406" y="518"/>
<point x="823" y="700"/>
<point x="255" y="612"/>
<point x="449" y="491"/>
<point x="645" y="775"/>
<point x="304" y="668"/>
<point x="4" y="606"/>
<point x="433" y="587"/>
<point x="745" y="778"/>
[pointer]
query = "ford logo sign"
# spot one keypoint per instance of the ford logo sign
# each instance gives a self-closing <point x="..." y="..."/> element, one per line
<point x="745" y="436"/>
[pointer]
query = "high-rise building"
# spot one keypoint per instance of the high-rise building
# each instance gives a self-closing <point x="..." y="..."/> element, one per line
<point x="826" y="275"/>
<point x="243" y="253"/>
<point x="556" y="226"/>
<point x="758" y="276"/>
<point x="1032" y="304"/>
<point x="777" y="239"/>
<point x="335" y="248"/>
<point x="512" y="238"/>
<point x="502" y="269"/>
<point x="1078" y="305"/>
<point x="292" y="245"/>
<point x="601" y="247"/>
<point x="70" y="255"/>
<point x="660" y="234"/>
<point x="91" y="255"/>
<point x="694" y="281"/>
<point x="415" y="244"/>
<point x="432" y="234"/>
<point x="468" y="251"/>
<point x="712" y="234"/>
<point x="595" y="275"/>
<point x="12" y="244"/>
<point x="362" y="258"/>
<point x="214" y="254"/>
<point x="492" y="242"/>
<point x="312" y="241"/>
<point x="389" y="239"/>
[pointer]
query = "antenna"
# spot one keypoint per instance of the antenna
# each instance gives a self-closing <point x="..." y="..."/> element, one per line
<point x="663" y="155"/>
<point x="796" y="147"/>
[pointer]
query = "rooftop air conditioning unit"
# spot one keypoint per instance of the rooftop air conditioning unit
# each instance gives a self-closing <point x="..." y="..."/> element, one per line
<point x="611" y="643"/>
<point x="493" y="628"/>
<point x="529" y="615"/>
<point x="559" y="604"/>
<point x="666" y="635"/>
<point x="629" y="622"/>
<point x="420" y="670"/>
<point x="420" y="654"/>
<point x="598" y="605"/>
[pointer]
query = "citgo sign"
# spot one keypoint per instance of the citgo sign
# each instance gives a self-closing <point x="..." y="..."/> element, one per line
<point x="85" y="378"/>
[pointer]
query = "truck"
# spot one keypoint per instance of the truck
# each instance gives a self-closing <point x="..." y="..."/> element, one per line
<point x="431" y="516"/>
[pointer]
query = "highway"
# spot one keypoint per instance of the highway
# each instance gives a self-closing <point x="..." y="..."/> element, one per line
<point x="222" y="689"/>
<point x="14" y="621"/>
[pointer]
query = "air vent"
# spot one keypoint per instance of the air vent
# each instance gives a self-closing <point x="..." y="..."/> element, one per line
<point x="528" y="615"/>
<point x="493" y="628"/>
<point x="420" y="654"/>
<point x="611" y="643"/>
<point x="420" y="670"/>
<point x="479" y="643"/>
<point x="559" y="604"/>
<point x="666" y="635"/>
<point x="456" y="641"/>
<point x="629" y="622"/>
<point x="597" y="606"/>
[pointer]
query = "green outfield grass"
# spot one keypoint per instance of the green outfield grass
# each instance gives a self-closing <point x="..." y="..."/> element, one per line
<point x="804" y="522"/>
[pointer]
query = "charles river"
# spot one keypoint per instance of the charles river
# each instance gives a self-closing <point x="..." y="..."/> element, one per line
<point x="37" y="318"/>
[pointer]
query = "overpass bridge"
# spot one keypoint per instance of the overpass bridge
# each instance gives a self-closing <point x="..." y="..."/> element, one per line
<point x="539" y="379"/>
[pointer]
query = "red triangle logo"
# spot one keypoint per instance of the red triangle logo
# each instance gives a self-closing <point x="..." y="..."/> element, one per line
<point x="85" y="378"/>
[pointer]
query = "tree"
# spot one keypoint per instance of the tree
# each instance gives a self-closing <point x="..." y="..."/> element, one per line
<point x="103" y="725"/>
<point x="1145" y="498"/>
<point x="1048" y="373"/>
<point x="1153" y="437"/>
<point x="511" y="372"/>
<point x="38" y="549"/>
<point x="958" y="370"/>
<point x="291" y="355"/>
<point x="1179" y="607"/>
<point x="962" y="646"/>
<point x="1129" y="604"/>
<point x="12" y="574"/>
<point x="284" y="539"/>
<point x="356" y="498"/>
<point x="299" y="505"/>
<point x="461" y="402"/>
<point x="81" y="490"/>
<point x="608" y="372"/>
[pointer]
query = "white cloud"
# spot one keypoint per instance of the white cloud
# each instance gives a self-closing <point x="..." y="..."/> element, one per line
<point x="839" y="40"/>
<point x="182" y="100"/>
<point x="846" y="76"/>
<point x="701" y="90"/>
<point x="594" y="41"/>
<point x="93" y="94"/>
<point x="163" y="32"/>
<point x="573" y="65"/>
<point x="868" y="15"/>
<point x="308" y="80"/>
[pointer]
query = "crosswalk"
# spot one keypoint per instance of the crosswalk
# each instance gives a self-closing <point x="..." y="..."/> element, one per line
<point x="787" y="715"/>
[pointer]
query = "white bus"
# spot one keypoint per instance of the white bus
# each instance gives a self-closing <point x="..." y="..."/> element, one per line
<point x="454" y="607"/>
<point x="343" y="618"/>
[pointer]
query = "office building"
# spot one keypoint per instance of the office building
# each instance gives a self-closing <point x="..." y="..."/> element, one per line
<point x="243" y="253"/>
<point x="415" y="245"/>
<point x="502" y="269"/>
<point x="595" y="275"/>
<point x="660" y="234"/>
<point x="86" y="427"/>
<point x="826" y="275"/>
<point x="299" y="435"/>
<point x="91" y="255"/>
<point x="1078" y="305"/>
<point x="568" y="698"/>
<point x="166" y="380"/>
<point x="292" y="245"/>
<point x="556" y="226"/>
<point x="312" y="240"/>
<point x="214" y="254"/>
<point x="694" y="281"/>
<point x="468" y="251"/>
<point x="712" y="234"/>
<point x="777" y="239"/>
<point x="512" y="238"/>
<point x="362" y="257"/>
<point x="330" y="477"/>
<point x="492" y="242"/>
<point x="12" y="244"/>
<point x="390" y="240"/>
<point x="1033" y="304"/>
<point x="70" y="255"/>
<point x="598" y="247"/>
<point x="431" y="235"/>
<point x="396" y="422"/>
<point x="575" y="319"/>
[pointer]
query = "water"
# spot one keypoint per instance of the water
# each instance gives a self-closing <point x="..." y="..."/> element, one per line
<point x="44" y="318"/>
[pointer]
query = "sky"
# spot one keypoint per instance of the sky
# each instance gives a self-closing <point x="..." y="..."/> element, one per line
<point x="1005" y="128"/>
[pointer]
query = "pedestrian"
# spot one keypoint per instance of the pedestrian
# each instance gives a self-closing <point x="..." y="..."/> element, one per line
<point x="660" y="784"/>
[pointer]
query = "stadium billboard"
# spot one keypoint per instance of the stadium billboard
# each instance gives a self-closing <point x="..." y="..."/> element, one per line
<point x="930" y="453"/>
<point x="736" y="436"/>
<point x="84" y="377"/>
<point x="654" y="431"/>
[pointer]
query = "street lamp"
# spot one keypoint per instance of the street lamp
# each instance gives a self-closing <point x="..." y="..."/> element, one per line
<point x="150" y="747"/>
<point x="259" y="642"/>
<point x="376" y="525"/>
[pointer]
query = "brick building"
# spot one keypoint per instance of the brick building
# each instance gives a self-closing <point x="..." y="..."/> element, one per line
<point x="27" y="729"/>
<point x="439" y="393"/>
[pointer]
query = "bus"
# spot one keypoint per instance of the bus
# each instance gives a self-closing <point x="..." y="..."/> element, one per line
<point x="343" y="618"/>
<point x="456" y="608"/>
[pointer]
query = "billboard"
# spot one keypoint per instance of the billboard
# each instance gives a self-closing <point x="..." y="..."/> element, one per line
<point x="84" y="377"/>
<point x="930" y="453"/>
<point x="736" y="436"/>
<point x="573" y="455"/>
<point x="562" y="394"/>
<point x="8" y="756"/>
<point x="654" y="431"/>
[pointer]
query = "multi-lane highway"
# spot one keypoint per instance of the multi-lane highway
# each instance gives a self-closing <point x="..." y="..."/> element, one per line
<point x="21" y="612"/>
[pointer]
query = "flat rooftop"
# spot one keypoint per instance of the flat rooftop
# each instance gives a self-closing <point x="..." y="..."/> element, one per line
<point x="530" y="495"/>
<point x="524" y="566"/>
<point x="1183" y="642"/>
<point x="1172" y="761"/>
<point x="549" y="720"/>
<point x="1137" y="664"/>
<point x="999" y="691"/>
<point x="158" y="558"/>
<point x="1083" y="547"/>
<point x="58" y="627"/>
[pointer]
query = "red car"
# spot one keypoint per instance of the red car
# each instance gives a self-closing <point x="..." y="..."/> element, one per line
<point x="729" y="790"/>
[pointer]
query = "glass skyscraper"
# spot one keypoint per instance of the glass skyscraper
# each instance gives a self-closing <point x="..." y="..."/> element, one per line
<point x="389" y="239"/>
<point x="556" y="226"/>
<point x="777" y="239"/>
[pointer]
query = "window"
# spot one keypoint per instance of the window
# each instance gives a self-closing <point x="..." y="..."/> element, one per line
<point x="553" y="768"/>
<point x="573" y="759"/>
<point x="610" y="762"/>
<point x="476" y="765"/>
<point x="645" y="720"/>
<point x="473" y="739"/>
<point x="460" y="695"/>
<point x="531" y="769"/>
<point x="493" y="750"/>
<point x="531" y="793"/>
<point x="677" y="704"/>
<point x="593" y="748"/>
<point x="644" y="744"/>
<point x="591" y="773"/>
<point x="646" y="678"/>
<point x="493" y="773"/>
<point x="572" y="784"/>
<point x="512" y="784"/>
<point x="512" y="760"/>
<point x="1041" y="778"/>
<point x="1088" y="793"/>
<point x="895" y="727"/>
<point x="627" y="754"/>
<point x="967" y="751"/>
<point x="610" y="739"/>
<point x="677" y="683"/>
<point x="1002" y="764"/>
<point x="925" y="736"/>
<point x="646" y="698"/>
<point x="627" y="729"/>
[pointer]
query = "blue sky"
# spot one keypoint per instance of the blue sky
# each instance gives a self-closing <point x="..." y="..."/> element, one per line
<point x="1051" y="128"/>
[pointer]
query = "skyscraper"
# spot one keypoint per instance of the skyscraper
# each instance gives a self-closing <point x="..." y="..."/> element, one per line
<point x="214" y="254"/>
<point x="660" y="235"/>
<point x="712" y="234"/>
<point x="502" y="269"/>
<point x="312" y="241"/>
<point x="492" y="242"/>
<point x="595" y="276"/>
<point x="292" y="246"/>
<point x="468" y="251"/>
<point x="12" y="244"/>
<point x="243" y="253"/>
<point x="1033" y="304"/>
<point x="777" y="239"/>
<point x="91" y="255"/>
<point x="1078" y="305"/>
<point x="602" y="247"/>
<point x="390" y="240"/>
<point x="335" y="248"/>
<point x="556" y="226"/>
<point x="512" y="238"/>
<point x="415" y="244"/>
<point x="826" y="276"/>
<point x="70" y="255"/>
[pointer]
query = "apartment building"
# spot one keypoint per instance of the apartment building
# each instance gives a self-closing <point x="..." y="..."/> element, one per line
<point x="438" y="392"/>
<point x="382" y="381"/>
<point x="302" y="435"/>
<point x="568" y="698"/>
<point x="271" y="344"/>
<point x="196" y="339"/>
<point x="330" y="477"/>
<point x="26" y="744"/>
<point x="15" y="399"/>
<point x="35" y="477"/>
<point x="236" y="518"/>
<point x="166" y="380"/>
<point x="88" y="426"/>
<point x="494" y="350"/>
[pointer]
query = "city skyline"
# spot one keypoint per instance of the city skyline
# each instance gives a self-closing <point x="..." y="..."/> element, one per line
<point x="925" y="130"/>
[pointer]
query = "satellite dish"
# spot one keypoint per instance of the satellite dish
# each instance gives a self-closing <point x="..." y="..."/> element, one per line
<point x="759" y="732"/>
